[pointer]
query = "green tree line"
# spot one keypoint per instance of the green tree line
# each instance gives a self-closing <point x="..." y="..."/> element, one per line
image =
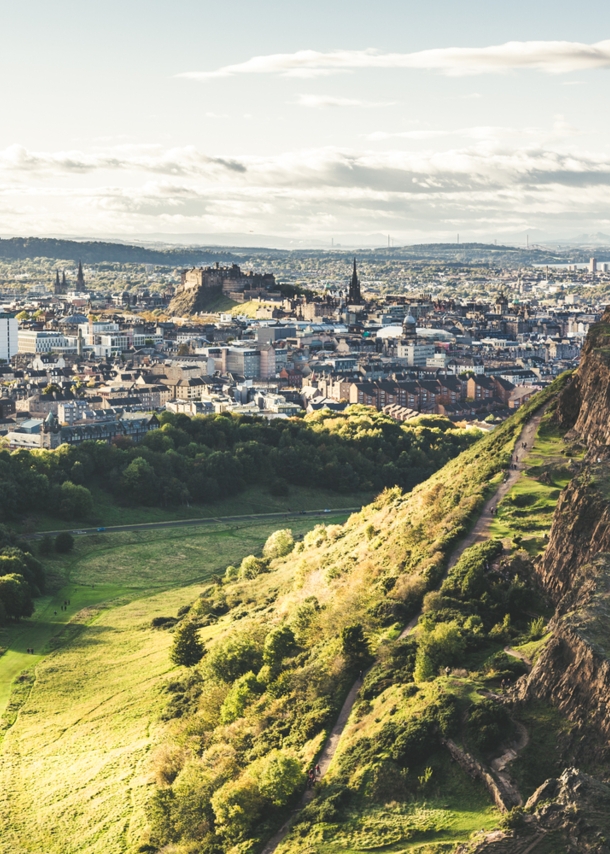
<point x="204" y="459"/>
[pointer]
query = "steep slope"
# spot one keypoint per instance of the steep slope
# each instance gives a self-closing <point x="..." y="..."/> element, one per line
<point x="290" y="636"/>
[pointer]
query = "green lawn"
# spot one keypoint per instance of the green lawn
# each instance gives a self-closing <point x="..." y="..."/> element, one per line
<point x="83" y="715"/>
<point x="253" y="500"/>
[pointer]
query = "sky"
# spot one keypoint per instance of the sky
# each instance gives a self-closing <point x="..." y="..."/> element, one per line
<point x="305" y="123"/>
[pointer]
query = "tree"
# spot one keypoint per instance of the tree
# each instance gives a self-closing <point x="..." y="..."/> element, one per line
<point x="140" y="482"/>
<point x="64" y="542"/>
<point x="355" y="645"/>
<point x="231" y="658"/>
<point x="280" y="777"/>
<point x="240" y="696"/>
<point x="15" y="596"/>
<point x="187" y="649"/>
<point x="279" y="644"/>
<point x="75" y="502"/>
<point x="279" y="544"/>
<point x="237" y="806"/>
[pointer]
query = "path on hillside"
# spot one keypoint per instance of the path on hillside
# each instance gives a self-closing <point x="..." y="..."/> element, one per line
<point x="203" y="520"/>
<point x="478" y="533"/>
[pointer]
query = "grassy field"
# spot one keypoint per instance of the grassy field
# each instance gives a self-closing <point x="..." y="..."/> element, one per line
<point x="78" y="735"/>
<point x="253" y="500"/>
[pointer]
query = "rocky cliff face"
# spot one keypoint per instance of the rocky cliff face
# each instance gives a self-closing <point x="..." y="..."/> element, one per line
<point x="580" y="531"/>
<point x="573" y="671"/>
<point x="567" y="815"/>
<point x="584" y="405"/>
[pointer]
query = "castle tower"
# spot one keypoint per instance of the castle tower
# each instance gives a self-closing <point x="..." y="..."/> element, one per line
<point x="80" y="279"/>
<point x="354" y="296"/>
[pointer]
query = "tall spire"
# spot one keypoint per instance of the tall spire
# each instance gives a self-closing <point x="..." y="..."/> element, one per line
<point x="57" y="288"/>
<point x="354" y="297"/>
<point x="64" y="283"/>
<point x="80" y="279"/>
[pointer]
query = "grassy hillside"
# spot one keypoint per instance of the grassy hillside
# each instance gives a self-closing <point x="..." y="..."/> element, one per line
<point x="296" y="635"/>
<point x="79" y="717"/>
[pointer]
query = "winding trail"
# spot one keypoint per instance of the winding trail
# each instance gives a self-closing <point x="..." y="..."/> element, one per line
<point x="477" y="534"/>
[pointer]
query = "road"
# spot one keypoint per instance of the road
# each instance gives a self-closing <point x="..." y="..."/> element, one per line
<point x="205" y="520"/>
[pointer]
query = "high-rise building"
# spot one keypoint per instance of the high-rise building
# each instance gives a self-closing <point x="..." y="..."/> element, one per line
<point x="593" y="265"/>
<point x="8" y="337"/>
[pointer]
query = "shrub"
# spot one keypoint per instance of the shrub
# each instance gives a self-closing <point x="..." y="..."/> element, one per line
<point x="64" y="542"/>
<point x="280" y="777"/>
<point x="279" y="487"/>
<point x="251" y="567"/>
<point x="279" y="544"/>
<point x="441" y="647"/>
<point x="15" y="596"/>
<point x="537" y="629"/>
<point x="187" y="649"/>
<point x="237" y="807"/>
<point x="232" y="657"/>
<point x="242" y="693"/>
<point x="489" y="725"/>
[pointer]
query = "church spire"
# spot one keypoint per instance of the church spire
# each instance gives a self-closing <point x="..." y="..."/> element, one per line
<point x="80" y="278"/>
<point x="354" y="297"/>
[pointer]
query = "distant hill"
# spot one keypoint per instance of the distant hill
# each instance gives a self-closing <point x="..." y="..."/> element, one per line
<point x="93" y="251"/>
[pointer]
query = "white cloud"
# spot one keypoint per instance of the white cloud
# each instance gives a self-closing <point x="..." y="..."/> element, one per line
<point x="553" y="57"/>
<point x="323" y="101"/>
<point x="484" y="183"/>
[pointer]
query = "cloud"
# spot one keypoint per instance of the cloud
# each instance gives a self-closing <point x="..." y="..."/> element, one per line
<point x="323" y="101"/>
<point x="480" y="182"/>
<point x="553" y="57"/>
<point x="149" y="158"/>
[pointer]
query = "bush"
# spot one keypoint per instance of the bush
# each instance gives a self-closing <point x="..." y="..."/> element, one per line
<point x="489" y="725"/>
<point x="279" y="487"/>
<point x="441" y="647"/>
<point x="537" y="629"/>
<point x="244" y="690"/>
<point x="237" y="807"/>
<point x="233" y="657"/>
<point x="279" y="544"/>
<point x="187" y="650"/>
<point x="280" y="777"/>
<point x="64" y="542"/>
<point x="251" y="566"/>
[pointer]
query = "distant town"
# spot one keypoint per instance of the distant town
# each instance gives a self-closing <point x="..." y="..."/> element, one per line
<point x="82" y="359"/>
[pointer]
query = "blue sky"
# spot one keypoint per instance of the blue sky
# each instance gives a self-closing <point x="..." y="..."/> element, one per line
<point x="305" y="120"/>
